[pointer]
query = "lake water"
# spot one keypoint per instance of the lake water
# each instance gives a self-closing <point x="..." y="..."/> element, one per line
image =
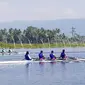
<point x="72" y="73"/>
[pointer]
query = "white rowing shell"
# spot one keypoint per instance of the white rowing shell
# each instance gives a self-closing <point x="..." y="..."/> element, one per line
<point x="28" y="61"/>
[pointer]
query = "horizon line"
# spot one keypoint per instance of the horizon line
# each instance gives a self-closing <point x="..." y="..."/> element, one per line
<point x="44" y="20"/>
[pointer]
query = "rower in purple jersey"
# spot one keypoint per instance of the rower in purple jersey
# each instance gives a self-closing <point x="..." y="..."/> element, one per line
<point x="41" y="56"/>
<point x="52" y="56"/>
<point x="63" y="55"/>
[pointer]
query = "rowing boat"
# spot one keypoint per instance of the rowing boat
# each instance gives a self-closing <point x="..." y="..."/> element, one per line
<point x="37" y="61"/>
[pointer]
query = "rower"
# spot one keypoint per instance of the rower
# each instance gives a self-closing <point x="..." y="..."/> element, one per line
<point x="52" y="56"/>
<point x="9" y="51"/>
<point x="27" y="56"/>
<point x="3" y="50"/>
<point x="41" y="56"/>
<point x="63" y="55"/>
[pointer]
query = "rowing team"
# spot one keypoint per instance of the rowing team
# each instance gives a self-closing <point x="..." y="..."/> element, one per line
<point x="51" y="56"/>
<point x="4" y="51"/>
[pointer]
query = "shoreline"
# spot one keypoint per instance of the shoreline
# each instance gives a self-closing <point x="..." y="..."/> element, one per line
<point x="44" y="45"/>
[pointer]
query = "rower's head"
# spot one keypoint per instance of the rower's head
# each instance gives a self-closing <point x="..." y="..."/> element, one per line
<point x="41" y="51"/>
<point x="52" y="51"/>
<point x="27" y="52"/>
<point x="63" y="50"/>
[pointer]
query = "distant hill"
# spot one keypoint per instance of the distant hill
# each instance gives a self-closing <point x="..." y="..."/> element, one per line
<point x="64" y="24"/>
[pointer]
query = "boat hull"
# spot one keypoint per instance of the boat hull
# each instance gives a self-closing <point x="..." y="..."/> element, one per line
<point x="37" y="61"/>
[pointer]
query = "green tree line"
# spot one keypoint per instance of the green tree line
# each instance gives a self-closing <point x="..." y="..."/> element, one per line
<point x="36" y="35"/>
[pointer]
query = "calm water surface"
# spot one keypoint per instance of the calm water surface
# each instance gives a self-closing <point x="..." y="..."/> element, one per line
<point x="72" y="73"/>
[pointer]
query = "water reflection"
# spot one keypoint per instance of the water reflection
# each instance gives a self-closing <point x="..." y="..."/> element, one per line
<point x="52" y="63"/>
<point x="41" y="65"/>
<point x="63" y="71"/>
<point x="27" y="65"/>
<point x="63" y="63"/>
<point x="43" y="73"/>
<point x="52" y="68"/>
<point x="63" y="67"/>
<point x="27" y="72"/>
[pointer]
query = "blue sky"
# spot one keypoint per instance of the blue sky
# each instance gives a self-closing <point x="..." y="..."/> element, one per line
<point x="11" y="10"/>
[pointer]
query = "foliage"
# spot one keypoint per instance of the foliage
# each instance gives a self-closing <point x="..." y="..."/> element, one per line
<point x="33" y="37"/>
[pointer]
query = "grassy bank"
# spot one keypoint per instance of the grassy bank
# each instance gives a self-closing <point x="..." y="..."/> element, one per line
<point x="45" y="45"/>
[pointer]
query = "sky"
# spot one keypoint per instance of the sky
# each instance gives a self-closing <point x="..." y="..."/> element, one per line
<point x="11" y="10"/>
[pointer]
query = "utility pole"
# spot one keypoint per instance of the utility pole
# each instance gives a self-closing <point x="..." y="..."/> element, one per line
<point x="73" y="31"/>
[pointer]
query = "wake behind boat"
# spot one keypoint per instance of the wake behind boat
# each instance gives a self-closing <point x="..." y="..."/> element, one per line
<point x="14" y="62"/>
<point x="26" y="61"/>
